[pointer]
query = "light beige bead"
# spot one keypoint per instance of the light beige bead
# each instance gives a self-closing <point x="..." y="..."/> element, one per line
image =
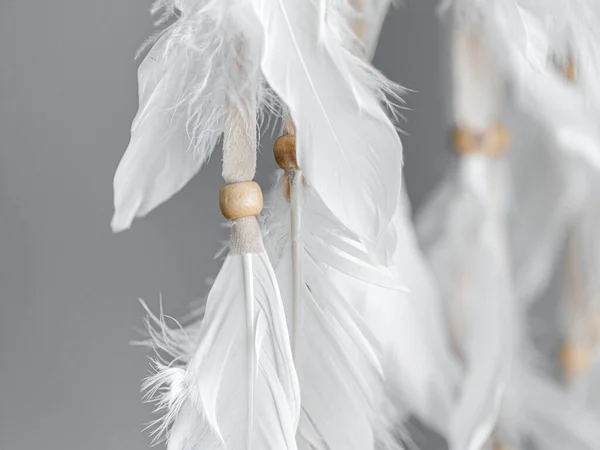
<point x="492" y="142"/>
<point x="238" y="200"/>
<point x="284" y="150"/>
<point x="575" y="359"/>
<point x="500" y="446"/>
<point x="570" y="71"/>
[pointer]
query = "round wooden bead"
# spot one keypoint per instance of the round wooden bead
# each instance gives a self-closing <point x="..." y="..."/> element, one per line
<point x="492" y="142"/>
<point x="285" y="152"/>
<point x="570" y="71"/>
<point x="238" y="200"/>
<point x="500" y="446"/>
<point x="575" y="359"/>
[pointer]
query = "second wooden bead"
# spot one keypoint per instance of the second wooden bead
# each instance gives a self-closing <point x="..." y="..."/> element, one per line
<point x="285" y="152"/>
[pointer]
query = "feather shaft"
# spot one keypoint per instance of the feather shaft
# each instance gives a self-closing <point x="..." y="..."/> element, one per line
<point x="297" y="248"/>
<point x="250" y="341"/>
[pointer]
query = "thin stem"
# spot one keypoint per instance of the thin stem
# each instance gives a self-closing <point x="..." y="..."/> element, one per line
<point x="296" y="225"/>
<point x="250" y="341"/>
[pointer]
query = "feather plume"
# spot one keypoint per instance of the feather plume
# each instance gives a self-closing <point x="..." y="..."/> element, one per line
<point x="533" y="408"/>
<point x="467" y="255"/>
<point x="238" y="388"/>
<point x="185" y="82"/>
<point x="347" y="148"/>
<point x="199" y="393"/>
<point x="526" y="38"/>
<point x="465" y="241"/>
<point x="421" y="373"/>
<point x="334" y="97"/>
<point x="554" y="32"/>
<point x="337" y="355"/>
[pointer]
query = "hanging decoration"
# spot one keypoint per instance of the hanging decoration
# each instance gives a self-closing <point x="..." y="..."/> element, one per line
<point x="335" y="319"/>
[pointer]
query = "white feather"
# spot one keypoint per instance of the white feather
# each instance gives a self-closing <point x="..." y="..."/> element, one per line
<point x="185" y="83"/>
<point x="467" y="249"/>
<point x="524" y="36"/>
<point x="421" y="372"/>
<point x="333" y="97"/>
<point x="346" y="146"/>
<point x="337" y="359"/>
<point x="204" y="393"/>
<point x="466" y="253"/>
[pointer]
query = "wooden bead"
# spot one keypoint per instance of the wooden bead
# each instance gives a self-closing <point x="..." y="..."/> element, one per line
<point x="500" y="446"/>
<point x="575" y="359"/>
<point x="492" y="142"/>
<point x="570" y="71"/>
<point x="238" y="200"/>
<point x="285" y="152"/>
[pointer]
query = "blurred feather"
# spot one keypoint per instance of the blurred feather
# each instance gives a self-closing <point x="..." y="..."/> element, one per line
<point x="466" y="250"/>
<point x="526" y="37"/>
<point x="421" y="373"/>
<point x="465" y="241"/>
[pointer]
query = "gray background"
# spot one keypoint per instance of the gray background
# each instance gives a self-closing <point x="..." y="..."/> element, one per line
<point x="69" y="288"/>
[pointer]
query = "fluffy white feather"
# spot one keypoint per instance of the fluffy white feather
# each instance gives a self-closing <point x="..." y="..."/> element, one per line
<point x="185" y="82"/>
<point x="347" y="148"/>
<point x="337" y="355"/>
<point x="421" y="373"/>
<point x="203" y="393"/>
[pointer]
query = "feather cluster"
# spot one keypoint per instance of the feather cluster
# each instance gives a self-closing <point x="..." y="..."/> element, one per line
<point x="344" y="321"/>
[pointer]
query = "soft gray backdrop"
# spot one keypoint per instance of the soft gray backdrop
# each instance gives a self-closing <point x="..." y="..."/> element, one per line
<point x="69" y="288"/>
